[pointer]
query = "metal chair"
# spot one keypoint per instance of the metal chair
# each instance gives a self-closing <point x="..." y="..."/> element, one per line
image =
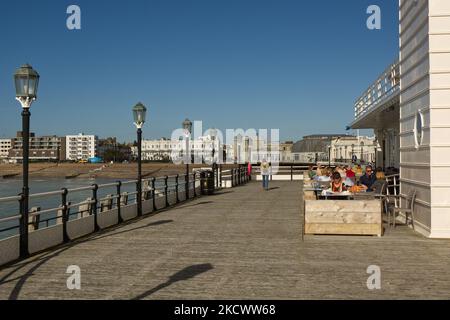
<point x="407" y="210"/>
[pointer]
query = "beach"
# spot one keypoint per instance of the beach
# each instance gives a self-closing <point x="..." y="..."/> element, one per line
<point x="89" y="170"/>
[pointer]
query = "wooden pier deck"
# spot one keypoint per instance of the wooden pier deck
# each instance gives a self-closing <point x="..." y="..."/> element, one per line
<point x="242" y="243"/>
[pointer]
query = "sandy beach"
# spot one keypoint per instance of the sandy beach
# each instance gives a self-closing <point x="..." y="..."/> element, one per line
<point x="88" y="170"/>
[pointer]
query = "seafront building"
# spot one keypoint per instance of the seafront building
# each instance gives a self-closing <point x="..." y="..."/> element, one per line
<point x="337" y="147"/>
<point x="5" y="146"/>
<point x="42" y="148"/>
<point x="80" y="147"/>
<point x="164" y="149"/>
<point x="408" y="106"/>
<point x="243" y="149"/>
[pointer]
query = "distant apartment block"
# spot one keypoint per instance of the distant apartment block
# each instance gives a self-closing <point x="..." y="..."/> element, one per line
<point x="43" y="148"/>
<point x="5" y="146"/>
<point x="80" y="147"/>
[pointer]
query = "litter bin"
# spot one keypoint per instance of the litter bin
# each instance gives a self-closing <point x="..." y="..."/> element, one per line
<point x="207" y="182"/>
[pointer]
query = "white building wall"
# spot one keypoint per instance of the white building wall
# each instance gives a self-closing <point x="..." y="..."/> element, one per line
<point x="425" y="95"/>
<point x="81" y="146"/>
<point x="201" y="148"/>
<point x="345" y="147"/>
<point x="439" y="116"/>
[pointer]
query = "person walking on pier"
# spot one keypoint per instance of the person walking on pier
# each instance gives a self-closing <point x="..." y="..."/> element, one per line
<point x="265" y="173"/>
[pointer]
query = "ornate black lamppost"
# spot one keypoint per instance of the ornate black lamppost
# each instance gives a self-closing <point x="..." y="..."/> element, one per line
<point x="139" y="112"/>
<point x="214" y="164"/>
<point x="187" y="126"/>
<point x="26" y="80"/>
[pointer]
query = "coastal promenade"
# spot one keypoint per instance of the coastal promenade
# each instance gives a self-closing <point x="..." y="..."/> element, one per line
<point x="241" y="243"/>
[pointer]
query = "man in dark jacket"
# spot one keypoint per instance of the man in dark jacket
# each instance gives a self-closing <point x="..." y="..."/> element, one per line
<point x="369" y="178"/>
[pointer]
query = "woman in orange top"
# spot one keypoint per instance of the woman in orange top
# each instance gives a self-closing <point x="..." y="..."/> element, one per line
<point x="337" y="185"/>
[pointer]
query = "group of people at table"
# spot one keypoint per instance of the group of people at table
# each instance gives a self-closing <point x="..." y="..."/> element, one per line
<point x="350" y="178"/>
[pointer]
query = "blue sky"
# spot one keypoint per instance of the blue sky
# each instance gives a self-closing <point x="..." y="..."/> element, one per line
<point x="288" y="64"/>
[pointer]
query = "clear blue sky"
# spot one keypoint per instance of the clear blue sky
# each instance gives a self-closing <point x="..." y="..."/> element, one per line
<point x="288" y="64"/>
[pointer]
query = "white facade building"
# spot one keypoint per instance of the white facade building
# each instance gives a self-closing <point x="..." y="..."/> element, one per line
<point x="5" y="146"/>
<point x="164" y="149"/>
<point x="346" y="148"/>
<point x="201" y="150"/>
<point x="80" y="147"/>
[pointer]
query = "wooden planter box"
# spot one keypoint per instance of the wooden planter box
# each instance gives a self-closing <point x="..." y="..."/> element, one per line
<point x="343" y="217"/>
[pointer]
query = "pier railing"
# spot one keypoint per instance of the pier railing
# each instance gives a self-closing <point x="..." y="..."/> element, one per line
<point x="385" y="87"/>
<point x="283" y="171"/>
<point x="65" y="217"/>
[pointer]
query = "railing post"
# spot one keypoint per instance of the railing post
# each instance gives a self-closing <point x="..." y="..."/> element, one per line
<point x="94" y="206"/>
<point x="187" y="181"/>
<point x="216" y="176"/>
<point x="220" y="175"/>
<point x="292" y="172"/>
<point x="65" y="216"/>
<point x="166" y="189"/>
<point x="238" y="178"/>
<point x="153" y="194"/>
<point x="193" y="181"/>
<point x="119" y="195"/>
<point x="23" y="229"/>
<point x="138" y="198"/>
<point x="176" y="186"/>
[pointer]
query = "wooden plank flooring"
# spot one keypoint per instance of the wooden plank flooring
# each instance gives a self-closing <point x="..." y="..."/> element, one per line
<point x="243" y="243"/>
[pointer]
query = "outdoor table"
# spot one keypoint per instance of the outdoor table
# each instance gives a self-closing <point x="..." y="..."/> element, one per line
<point x="335" y="196"/>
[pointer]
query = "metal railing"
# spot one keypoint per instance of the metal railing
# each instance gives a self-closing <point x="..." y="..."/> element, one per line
<point x="287" y="170"/>
<point x="393" y="188"/>
<point x="111" y="196"/>
<point x="386" y="87"/>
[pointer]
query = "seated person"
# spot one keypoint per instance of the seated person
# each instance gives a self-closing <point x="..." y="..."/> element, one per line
<point x="311" y="172"/>
<point x="379" y="184"/>
<point x="342" y="172"/>
<point x="319" y="171"/>
<point x="324" y="176"/>
<point x="337" y="185"/>
<point x="349" y="172"/>
<point x="368" y="179"/>
<point x="358" y="170"/>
